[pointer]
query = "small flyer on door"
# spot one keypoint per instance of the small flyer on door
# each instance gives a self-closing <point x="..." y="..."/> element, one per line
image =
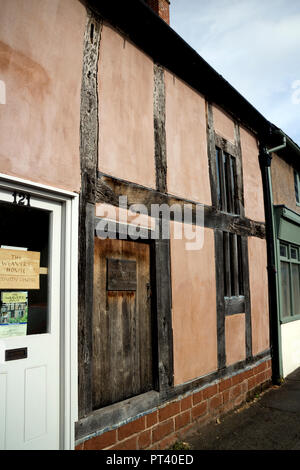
<point x="13" y="314"/>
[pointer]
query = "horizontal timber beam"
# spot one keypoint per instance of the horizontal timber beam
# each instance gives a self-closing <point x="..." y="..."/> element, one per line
<point x="109" y="189"/>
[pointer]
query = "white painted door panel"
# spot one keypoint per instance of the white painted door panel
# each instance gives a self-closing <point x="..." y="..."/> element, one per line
<point x="30" y="387"/>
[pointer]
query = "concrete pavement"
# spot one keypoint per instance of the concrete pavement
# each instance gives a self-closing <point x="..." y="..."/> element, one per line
<point x="271" y="422"/>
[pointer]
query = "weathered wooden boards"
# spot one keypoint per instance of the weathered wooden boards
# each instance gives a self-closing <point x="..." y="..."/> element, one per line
<point x="122" y="323"/>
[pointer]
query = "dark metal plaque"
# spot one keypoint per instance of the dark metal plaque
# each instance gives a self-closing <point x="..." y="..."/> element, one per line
<point x="15" y="354"/>
<point x="121" y="275"/>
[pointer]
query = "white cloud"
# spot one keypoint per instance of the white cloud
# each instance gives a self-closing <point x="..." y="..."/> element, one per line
<point x="254" y="44"/>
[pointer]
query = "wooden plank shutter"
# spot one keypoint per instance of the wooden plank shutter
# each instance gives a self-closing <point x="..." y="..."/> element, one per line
<point x="122" y="324"/>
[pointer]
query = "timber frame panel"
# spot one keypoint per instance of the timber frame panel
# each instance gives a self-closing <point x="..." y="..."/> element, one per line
<point x="229" y="305"/>
<point x="98" y="187"/>
<point x="94" y="190"/>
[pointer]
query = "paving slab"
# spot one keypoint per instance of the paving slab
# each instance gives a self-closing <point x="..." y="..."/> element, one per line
<point x="272" y="422"/>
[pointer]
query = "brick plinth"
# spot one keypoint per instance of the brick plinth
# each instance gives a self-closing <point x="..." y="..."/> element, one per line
<point x="160" y="429"/>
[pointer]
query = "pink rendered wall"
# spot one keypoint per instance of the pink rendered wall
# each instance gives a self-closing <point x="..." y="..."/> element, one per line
<point x="223" y="124"/>
<point x="259" y="294"/>
<point x="41" y="50"/>
<point x="283" y="183"/>
<point x="235" y="338"/>
<point x="126" y="127"/>
<point x="187" y="160"/>
<point x="253" y="189"/>
<point x="193" y="308"/>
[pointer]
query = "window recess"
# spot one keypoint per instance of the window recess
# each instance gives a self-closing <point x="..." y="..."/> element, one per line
<point x="227" y="192"/>
<point x="233" y="274"/>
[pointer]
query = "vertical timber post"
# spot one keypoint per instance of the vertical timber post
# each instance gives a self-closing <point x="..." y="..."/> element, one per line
<point x="89" y="164"/>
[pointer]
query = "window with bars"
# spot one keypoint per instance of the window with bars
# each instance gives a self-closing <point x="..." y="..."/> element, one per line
<point x="232" y="257"/>
<point x="233" y="275"/>
<point x="297" y="186"/>
<point x="290" y="280"/>
<point x="227" y="195"/>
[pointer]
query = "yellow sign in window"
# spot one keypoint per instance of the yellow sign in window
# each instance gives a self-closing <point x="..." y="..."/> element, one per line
<point x="19" y="269"/>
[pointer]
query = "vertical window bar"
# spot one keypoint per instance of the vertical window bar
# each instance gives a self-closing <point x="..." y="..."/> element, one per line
<point x="240" y="263"/>
<point x="234" y="265"/>
<point x="223" y="185"/>
<point x="228" y="182"/>
<point x="226" y="173"/>
<point x="236" y="207"/>
<point x="227" y="265"/>
<point x="224" y="265"/>
<point x="218" y="151"/>
<point x="225" y="179"/>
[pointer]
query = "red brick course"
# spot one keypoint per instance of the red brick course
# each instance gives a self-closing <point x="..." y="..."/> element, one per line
<point x="160" y="429"/>
<point x="170" y="410"/>
<point x="182" y="420"/>
<point x="100" y="442"/>
<point x="197" y="397"/>
<point x="210" y="391"/>
<point x="215" y="402"/>
<point x="225" y="384"/>
<point x="152" y="419"/>
<point x="144" y="439"/>
<point x="186" y="403"/>
<point x="199" y="410"/>
<point x="131" y="428"/>
<point x="128" y="444"/>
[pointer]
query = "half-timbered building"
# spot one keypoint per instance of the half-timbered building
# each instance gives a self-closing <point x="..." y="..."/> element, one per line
<point x="135" y="220"/>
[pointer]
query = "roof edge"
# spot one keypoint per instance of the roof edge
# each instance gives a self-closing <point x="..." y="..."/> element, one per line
<point x="137" y="21"/>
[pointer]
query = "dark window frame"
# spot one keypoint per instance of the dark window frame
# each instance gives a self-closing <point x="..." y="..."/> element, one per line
<point x="286" y="259"/>
<point x="227" y="182"/>
<point x="233" y="274"/>
<point x="228" y="197"/>
<point x="227" y="306"/>
<point x="227" y="173"/>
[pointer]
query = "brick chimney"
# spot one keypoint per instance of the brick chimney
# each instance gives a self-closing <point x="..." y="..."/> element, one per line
<point x="161" y="8"/>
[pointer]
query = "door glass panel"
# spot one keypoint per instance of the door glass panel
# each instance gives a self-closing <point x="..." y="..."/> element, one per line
<point x="296" y="288"/>
<point x="285" y="289"/>
<point x="24" y="252"/>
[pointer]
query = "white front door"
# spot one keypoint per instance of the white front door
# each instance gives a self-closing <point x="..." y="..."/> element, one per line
<point x="29" y="322"/>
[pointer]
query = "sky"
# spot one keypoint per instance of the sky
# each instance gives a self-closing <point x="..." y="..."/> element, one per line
<point x="254" y="45"/>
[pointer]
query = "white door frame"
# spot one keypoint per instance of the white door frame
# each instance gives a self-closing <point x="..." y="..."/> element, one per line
<point x="69" y="298"/>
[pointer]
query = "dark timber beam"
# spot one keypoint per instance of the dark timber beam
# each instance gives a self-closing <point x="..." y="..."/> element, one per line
<point x="159" y="129"/>
<point x="137" y="194"/>
<point x="89" y="164"/>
